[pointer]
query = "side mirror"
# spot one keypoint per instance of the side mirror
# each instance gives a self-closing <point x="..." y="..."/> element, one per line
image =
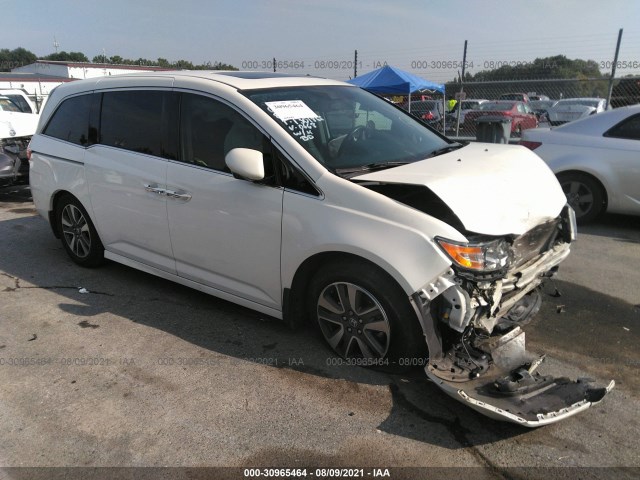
<point x="245" y="163"/>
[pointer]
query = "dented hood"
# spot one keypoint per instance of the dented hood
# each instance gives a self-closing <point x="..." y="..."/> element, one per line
<point x="493" y="189"/>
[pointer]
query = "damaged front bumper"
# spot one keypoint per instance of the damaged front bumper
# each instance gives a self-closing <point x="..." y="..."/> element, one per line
<point x="14" y="165"/>
<point x="472" y="326"/>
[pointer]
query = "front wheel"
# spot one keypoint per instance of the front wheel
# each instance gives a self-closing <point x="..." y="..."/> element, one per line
<point x="79" y="236"/>
<point x="517" y="132"/>
<point x="365" y="317"/>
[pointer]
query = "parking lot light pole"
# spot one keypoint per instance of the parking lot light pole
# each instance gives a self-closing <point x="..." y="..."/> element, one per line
<point x="613" y="70"/>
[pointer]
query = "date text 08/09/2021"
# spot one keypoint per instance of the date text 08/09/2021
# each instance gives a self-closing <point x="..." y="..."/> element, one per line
<point x="316" y="472"/>
<point x="313" y="65"/>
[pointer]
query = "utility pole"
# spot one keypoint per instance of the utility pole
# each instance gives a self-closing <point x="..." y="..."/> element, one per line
<point x="464" y="64"/>
<point x="55" y="43"/>
<point x="613" y="69"/>
<point x="355" y="65"/>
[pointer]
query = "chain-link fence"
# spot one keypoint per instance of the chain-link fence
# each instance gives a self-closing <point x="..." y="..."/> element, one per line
<point x="527" y="103"/>
<point x="564" y="69"/>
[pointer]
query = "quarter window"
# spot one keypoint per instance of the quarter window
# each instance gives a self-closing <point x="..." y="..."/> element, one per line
<point x="141" y="121"/>
<point x="293" y="179"/>
<point x="70" y="121"/>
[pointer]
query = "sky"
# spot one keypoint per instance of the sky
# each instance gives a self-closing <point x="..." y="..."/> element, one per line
<point x="424" y="37"/>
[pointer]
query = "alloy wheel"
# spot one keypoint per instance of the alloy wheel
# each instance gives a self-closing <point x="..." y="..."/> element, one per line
<point x="75" y="231"/>
<point x="353" y="322"/>
<point x="579" y="197"/>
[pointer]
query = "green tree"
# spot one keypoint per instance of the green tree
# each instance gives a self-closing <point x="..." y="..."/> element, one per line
<point x="67" y="57"/>
<point x="15" y="58"/>
<point x="554" y="67"/>
<point x="556" y="76"/>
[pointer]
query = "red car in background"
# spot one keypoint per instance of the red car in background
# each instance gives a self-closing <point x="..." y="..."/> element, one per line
<point x="522" y="116"/>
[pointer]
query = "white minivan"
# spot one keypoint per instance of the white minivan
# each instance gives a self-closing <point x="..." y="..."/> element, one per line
<point x="312" y="199"/>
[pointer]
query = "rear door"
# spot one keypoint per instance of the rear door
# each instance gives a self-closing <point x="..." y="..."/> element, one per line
<point x="126" y="173"/>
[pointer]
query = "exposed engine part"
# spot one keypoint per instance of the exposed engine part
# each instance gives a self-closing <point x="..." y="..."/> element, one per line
<point x="455" y="308"/>
<point x="471" y="320"/>
<point x="521" y="313"/>
<point x="463" y="362"/>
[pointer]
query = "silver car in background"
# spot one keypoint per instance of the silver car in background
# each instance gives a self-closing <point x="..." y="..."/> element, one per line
<point x="571" y="109"/>
<point x="596" y="160"/>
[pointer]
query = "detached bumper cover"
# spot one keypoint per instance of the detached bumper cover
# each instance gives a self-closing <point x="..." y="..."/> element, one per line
<point x="512" y="390"/>
<point x="533" y="410"/>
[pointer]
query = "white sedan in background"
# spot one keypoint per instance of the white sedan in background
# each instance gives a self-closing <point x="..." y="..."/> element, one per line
<point x="571" y="109"/>
<point x="596" y="160"/>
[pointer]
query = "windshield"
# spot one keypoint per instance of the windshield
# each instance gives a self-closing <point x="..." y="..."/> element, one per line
<point x="541" y="104"/>
<point x="496" y="106"/>
<point x="470" y="105"/>
<point x="19" y="102"/>
<point x="347" y="127"/>
<point x="512" y="96"/>
<point x="8" y="106"/>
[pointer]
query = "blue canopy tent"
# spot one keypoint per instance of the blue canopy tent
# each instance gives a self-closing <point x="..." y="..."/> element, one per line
<point x="393" y="80"/>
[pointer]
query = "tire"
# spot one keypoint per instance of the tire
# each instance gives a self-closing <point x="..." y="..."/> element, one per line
<point x="78" y="235"/>
<point x="365" y="317"/>
<point x="517" y="133"/>
<point x="584" y="194"/>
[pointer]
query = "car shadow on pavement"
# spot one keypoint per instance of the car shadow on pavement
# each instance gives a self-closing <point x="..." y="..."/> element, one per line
<point x="15" y="193"/>
<point x="585" y="327"/>
<point x="625" y="228"/>
<point x="18" y="195"/>
<point x="419" y="410"/>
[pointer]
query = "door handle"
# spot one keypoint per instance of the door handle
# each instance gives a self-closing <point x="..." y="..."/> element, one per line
<point x="179" y="195"/>
<point x="154" y="188"/>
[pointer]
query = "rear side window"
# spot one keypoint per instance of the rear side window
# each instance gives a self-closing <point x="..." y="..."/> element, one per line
<point x="141" y="121"/>
<point x="629" y="129"/>
<point x="70" y="122"/>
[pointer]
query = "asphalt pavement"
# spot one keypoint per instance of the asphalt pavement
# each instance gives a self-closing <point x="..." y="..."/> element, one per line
<point x="114" y="367"/>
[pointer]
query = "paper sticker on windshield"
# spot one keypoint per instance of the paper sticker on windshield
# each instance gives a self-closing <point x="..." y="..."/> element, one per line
<point x="291" y="110"/>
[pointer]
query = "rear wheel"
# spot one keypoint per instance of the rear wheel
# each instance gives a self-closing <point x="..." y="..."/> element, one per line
<point x="584" y="195"/>
<point x="79" y="236"/>
<point x="365" y="317"/>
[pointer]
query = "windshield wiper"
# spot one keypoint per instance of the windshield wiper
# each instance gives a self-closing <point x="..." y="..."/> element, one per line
<point x="370" y="167"/>
<point x="447" y="149"/>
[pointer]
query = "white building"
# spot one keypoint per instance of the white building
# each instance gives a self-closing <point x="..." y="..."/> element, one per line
<point x="39" y="78"/>
<point x="31" y="83"/>
<point x="79" y="70"/>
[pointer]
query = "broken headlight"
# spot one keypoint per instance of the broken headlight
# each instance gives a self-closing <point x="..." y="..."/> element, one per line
<point x="481" y="256"/>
